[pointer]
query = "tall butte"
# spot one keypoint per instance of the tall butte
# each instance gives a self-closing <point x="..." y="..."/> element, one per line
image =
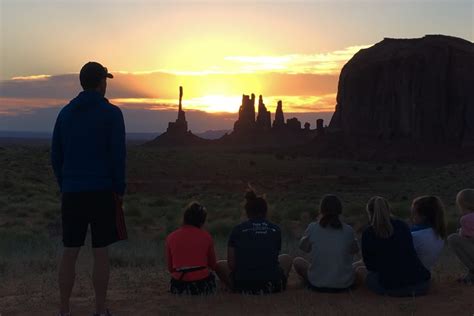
<point x="416" y="90"/>
<point x="263" y="117"/>
<point x="180" y="126"/>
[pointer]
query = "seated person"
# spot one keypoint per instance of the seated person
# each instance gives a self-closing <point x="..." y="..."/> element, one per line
<point x="429" y="229"/>
<point x="389" y="255"/>
<point x="253" y="263"/>
<point x="462" y="243"/>
<point x="190" y="255"/>
<point x="332" y="245"/>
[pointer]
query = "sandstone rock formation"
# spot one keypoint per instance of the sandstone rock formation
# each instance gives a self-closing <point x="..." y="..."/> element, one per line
<point x="264" y="121"/>
<point x="320" y="126"/>
<point x="293" y="124"/>
<point x="279" y="121"/>
<point x="180" y="126"/>
<point x="246" y="121"/>
<point x="177" y="133"/>
<point x="415" y="90"/>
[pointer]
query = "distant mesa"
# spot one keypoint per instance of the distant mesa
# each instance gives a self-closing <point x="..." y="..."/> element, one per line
<point x="416" y="90"/>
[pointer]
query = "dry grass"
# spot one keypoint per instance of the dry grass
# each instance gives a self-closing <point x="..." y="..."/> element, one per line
<point x="162" y="182"/>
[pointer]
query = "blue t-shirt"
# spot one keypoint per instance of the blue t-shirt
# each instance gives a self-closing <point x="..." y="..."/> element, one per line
<point x="257" y="244"/>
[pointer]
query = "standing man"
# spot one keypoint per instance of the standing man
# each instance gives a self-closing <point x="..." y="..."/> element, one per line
<point x="88" y="157"/>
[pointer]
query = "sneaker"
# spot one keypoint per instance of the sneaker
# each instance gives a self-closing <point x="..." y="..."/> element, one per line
<point x="107" y="313"/>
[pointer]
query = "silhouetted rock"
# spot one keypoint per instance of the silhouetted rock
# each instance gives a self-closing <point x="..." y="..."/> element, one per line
<point x="413" y="90"/>
<point x="177" y="133"/>
<point x="293" y="124"/>
<point x="263" y="117"/>
<point x="307" y="127"/>
<point x="320" y="126"/>
<point x="180" y="126"/>
<point x="246" y="121"/>
<point x="279" y="121"/>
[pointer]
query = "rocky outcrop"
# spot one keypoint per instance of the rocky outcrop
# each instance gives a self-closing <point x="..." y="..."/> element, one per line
<point x="180" y="126"/>
<point x="177" y="133"/>
<point x="415" y="90"/>
<point x="264" y="121"/>
<point x="293" y="124"/>
<point x="320" y="127"/>
<point x="246" y="121"/>
<point x="279" y="121"/>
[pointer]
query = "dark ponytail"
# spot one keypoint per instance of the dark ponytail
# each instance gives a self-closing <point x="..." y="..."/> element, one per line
<point x="255" y="206"/>
<point x="330" y="209"/>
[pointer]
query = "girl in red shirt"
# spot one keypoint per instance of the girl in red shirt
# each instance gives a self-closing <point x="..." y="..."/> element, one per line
<point x="190" y="255"/>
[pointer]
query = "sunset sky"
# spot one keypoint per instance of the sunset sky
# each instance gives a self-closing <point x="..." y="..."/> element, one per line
<point x="217" y="50"/>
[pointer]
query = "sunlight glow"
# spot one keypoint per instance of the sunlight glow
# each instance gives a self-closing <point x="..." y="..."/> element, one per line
<point x="231" y="104"/>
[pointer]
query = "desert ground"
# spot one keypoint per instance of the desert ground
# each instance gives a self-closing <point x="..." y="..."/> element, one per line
<point x="162" y="181"/>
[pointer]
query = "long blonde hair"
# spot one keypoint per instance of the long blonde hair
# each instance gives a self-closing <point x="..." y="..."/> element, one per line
<point x="380" y="215"/>
<point x="465" y="200"/>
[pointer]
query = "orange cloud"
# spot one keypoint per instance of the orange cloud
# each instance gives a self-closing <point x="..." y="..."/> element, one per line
<point x="33" y="77"/>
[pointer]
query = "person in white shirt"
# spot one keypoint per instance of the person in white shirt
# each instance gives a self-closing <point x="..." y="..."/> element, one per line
<point x="429" y="229"/>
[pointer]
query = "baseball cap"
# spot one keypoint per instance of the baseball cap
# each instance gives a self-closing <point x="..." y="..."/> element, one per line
<point x="92" y="73"/>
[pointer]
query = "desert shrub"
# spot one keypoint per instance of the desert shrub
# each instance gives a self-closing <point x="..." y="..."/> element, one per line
<point x="157" y="202"/>
<point x="295" y="210"/>
<point x="136" y="253"/>
<point x="133" y="211"/>
<point x="354" y="209"/>
<point x="220" y="227"/>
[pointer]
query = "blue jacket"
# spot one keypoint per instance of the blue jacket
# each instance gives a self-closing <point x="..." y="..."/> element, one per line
<point x="88" y="150"/>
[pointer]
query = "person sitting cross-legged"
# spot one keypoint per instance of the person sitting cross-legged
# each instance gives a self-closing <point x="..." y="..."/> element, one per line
<point x="429" y="229"/>
<point x="190" y="255"/>
<point x="389" y="255"/>
<point x="253" y="264"/>
<point x="462" y="242"/>
<point x="332" y="245"/>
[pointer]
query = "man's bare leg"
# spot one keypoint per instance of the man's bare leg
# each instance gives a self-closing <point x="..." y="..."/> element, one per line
<point x="66" y="277"/>
<point x="100" y="277"/>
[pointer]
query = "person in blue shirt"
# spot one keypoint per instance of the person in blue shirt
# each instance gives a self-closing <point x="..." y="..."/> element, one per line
<point x="389" y="256"/>
<point x="254" y="264"/>
<point x="88" y="158"/>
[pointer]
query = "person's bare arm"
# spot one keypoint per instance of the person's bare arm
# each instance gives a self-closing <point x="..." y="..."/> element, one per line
<point x="354" y="247"/>
<point x="305" y="244"/>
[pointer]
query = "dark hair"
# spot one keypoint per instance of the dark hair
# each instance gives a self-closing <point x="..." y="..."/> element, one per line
<point x="330" y="209"/>
<point x="195" y="215"/>
<point x="432" y="209"/>
<point x="255" y="206"/>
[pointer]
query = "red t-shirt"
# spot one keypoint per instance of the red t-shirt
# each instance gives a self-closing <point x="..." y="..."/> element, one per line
<point x="190" y="246"/>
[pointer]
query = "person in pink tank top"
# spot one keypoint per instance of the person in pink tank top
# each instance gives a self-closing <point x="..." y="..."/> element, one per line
<point x="462" y="242"/>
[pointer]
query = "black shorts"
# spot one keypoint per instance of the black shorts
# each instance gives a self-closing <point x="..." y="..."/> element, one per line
<point x="257" y="287"/>
<point x="99" y="209"/>
<point x="205" y="286"/>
